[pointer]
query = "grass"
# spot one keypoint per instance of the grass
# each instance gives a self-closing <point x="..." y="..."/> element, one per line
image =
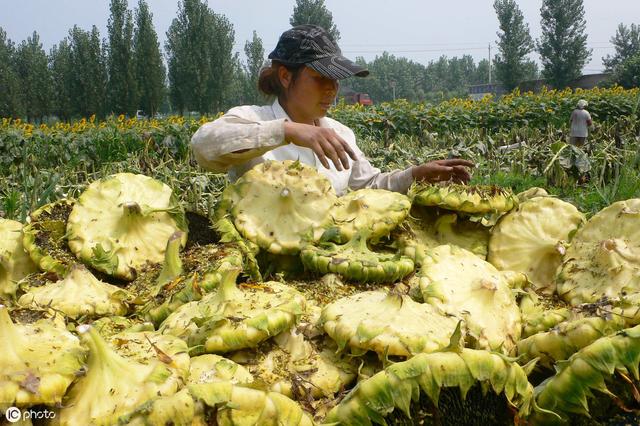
<point x="589" y="198"/>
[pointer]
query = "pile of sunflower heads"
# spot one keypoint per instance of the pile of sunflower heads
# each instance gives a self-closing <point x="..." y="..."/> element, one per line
<point x="450" y="305"/>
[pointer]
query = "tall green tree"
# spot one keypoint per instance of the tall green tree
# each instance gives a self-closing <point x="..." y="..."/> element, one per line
<point x="627" y="44"/>
<point x="436" y="76"/>
<point x="32" y="66"/>
<point x="563" y="45"/>
<point x="439" y="80"/>
<point x="627" y="74"/>
<point x="149" y="69"/>
<point x="62" y="73"/>
<point x="481" y="74"/>
<point x="238" y="90"/>
<point x="11" y="104"/>
<point x="90" y="56"/>
<point x="460" y="72"/>
<point x="314" y="12"/>
<point x="121" y="85"/>
<point x="531" y="71"/>
<point x="184" y="37"/>
<point x="200" y="56"/>
<point x="390" y="75"/>
<point x="79" y="66"/>
<point x="220" y="43"/>
<point x="514" y="44"/>
<point x="254" y="52"/>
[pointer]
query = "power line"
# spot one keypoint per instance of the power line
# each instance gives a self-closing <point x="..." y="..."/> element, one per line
<point x="469" y="43"/>
<point x="415" y="51"/>
<point x="460" y="49"/>
<point x="410" y="44"/>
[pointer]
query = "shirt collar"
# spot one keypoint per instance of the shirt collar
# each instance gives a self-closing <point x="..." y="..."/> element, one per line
<point x="279" y="113"/>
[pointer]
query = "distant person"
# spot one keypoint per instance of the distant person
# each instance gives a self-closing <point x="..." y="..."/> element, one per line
<point x="580" y="123"/>
<point x="306" y="66"/>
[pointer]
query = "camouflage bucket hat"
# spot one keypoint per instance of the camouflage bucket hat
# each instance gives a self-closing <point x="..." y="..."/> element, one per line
<point x="312" y="46"/>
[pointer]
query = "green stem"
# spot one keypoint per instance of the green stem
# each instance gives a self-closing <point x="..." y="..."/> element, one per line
<point x="555" y="157"/>
<point x="104" y="361"/>
<point x="228" y="289"/>
<point x="359" y="241"/>
<point x="172" y="266"/>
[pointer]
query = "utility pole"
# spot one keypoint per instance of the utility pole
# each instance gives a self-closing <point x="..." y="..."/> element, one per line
<point x="489" y="63"/>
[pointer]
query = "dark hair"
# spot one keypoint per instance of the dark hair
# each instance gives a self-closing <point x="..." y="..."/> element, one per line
<point x="269" y="81"/>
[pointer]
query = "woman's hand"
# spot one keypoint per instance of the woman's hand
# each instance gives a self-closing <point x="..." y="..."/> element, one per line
<point x="455" y="170"/>
<point x="324" y="142"/>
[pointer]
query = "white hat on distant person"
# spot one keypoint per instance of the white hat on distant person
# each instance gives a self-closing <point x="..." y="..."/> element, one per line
<point x="582" y="104"/>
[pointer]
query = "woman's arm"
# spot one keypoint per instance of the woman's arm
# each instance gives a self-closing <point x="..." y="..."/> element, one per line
<point x="365" y="175"/>
<point x="236" y="137"/>
<point x="241" y="135"/>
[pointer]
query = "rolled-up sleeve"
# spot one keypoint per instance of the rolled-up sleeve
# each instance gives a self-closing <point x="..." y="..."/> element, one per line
<point x="216" y="144"/>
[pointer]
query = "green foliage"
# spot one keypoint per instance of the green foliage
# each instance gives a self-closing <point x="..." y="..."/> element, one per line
<point x="34" y="77"/>
<point x="199" y="48"/>
<point x="79" y="73"/>
<point x="41" y="163"/>
<point x="11" y="104"/>
<point x="314" y="12"/>
<point x="536" y="111"/>
<point x="627" y="45"/>
<point x="516" y="181"/>
<point x="255" y="61"/>
<point x="86" y="74"/>
<point x="481" y="75"/>
<point x="121" y="86"/>
<point x="521" y="158"/>
<point x="60" y="63"/>
<point x="625" y="63"/>
<point x="563" y="45"/>
<point x="149" y="68"/>
<point x="627" y="74"/>
<point x="439" y="80"/>
<point x="449" y="74"/>
<point x="41" y="166"/>
<point x="236" y="90"/>
<point x="387" y="70"/>
<point x="514" y="43"/>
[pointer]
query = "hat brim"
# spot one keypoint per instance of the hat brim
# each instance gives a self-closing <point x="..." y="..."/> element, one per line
<point x="337" y="67"/>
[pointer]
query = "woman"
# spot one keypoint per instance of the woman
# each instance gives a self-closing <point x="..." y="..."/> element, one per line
<point x="306" y="66"/>
<point x="580" y="122"/>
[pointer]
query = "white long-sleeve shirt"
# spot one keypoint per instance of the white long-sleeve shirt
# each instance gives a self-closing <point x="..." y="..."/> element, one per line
<point x="260" y="131"/>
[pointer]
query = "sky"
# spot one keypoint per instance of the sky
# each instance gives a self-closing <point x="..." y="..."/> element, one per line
<point x="421" y="30"/>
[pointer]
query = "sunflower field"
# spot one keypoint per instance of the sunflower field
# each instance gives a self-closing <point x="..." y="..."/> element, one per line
<point x="518" y="140"/>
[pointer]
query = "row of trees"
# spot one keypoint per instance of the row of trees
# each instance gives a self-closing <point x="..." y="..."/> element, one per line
<point x="85" y="74"/>
<point x="562" y="47"/>
<point x="625" y="63"/>
<point x="399" y="77"/>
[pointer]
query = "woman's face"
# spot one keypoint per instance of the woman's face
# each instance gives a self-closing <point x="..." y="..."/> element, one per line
<point x="309" y="96"/>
